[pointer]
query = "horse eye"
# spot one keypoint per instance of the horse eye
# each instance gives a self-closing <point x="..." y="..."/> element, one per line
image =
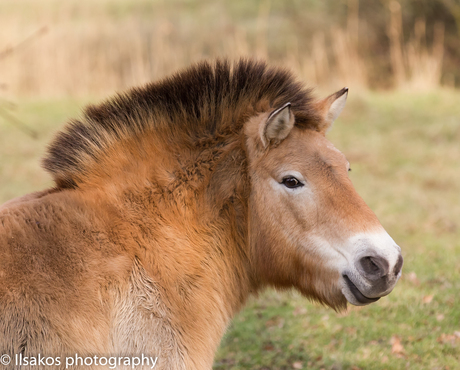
<point x="291" y="182"/>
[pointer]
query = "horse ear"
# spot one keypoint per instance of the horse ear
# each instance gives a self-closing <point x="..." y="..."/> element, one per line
<point x="278" y="125"/>
<point x="331" y="107"/>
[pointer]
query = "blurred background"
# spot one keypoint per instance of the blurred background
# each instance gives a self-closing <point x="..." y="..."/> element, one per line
<point x="52" y="47"/>
<point x="400" y="131"/>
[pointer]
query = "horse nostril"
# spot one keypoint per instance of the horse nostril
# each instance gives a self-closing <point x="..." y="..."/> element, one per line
<point x="398" y="265"/>
<point x="374" y="267"/>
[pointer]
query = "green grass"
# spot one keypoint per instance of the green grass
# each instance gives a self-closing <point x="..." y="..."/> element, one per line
<point x="20" y="152"/>
<point x="404" y="152"/>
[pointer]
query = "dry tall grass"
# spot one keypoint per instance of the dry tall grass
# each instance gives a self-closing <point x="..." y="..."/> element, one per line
<point x="414" y="65"/>
<point x="99" y="47"/>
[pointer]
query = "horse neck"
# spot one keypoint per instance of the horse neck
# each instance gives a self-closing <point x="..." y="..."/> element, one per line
<point x="189" y="199"/>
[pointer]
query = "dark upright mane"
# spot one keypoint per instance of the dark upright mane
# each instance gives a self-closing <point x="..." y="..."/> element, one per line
<point x="205" y="99"/>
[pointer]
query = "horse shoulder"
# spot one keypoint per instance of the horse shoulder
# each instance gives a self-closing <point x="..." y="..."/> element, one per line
<point x="58" y="267"/>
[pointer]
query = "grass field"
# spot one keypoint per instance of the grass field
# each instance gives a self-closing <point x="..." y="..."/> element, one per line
<point x="78" y="47"/>
<point x="405" y="157"/>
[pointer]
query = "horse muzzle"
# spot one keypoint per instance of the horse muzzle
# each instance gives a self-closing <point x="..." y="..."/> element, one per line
<point x="373" y="273"/>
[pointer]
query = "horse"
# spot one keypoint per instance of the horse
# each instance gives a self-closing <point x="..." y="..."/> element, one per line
<point x="173" y="203"/>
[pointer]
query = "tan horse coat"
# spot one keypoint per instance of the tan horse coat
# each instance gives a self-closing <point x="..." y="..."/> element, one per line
<point x="144" y="244"/>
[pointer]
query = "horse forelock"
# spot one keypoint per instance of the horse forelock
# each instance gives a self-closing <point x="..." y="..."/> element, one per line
<point x="205" y="100"/>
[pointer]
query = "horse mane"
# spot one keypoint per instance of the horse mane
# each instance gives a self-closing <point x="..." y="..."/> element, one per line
<point x="204" y="100"/>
